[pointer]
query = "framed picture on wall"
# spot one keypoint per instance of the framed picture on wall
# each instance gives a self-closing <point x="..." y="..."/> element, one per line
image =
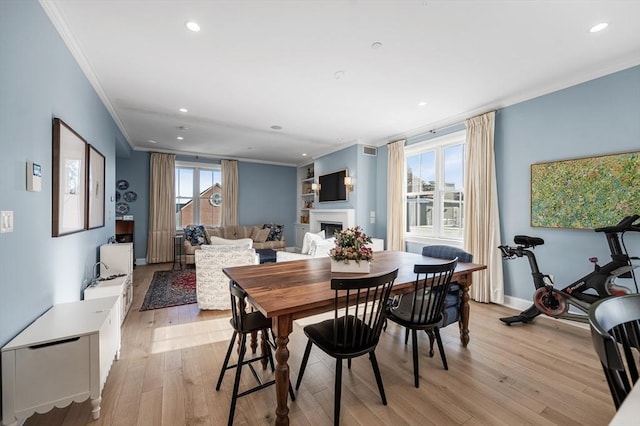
<point x="95" y="188"/>
<point x="69" y="180"/>
<point x="585" y="193"/>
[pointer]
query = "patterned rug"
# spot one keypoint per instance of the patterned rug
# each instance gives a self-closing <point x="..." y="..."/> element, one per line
<point x="170" y="288"/>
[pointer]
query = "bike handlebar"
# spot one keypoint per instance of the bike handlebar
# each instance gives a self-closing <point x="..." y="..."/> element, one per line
<point x="625" y="224"/>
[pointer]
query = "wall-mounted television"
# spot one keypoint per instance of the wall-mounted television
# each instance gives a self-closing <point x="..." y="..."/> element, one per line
<point x="332" y="187"/>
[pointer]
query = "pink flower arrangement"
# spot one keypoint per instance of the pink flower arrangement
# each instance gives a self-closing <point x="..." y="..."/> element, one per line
<point x="351" y="245"/>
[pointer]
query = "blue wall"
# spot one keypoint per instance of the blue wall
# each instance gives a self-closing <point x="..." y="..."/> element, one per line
<point x="364" y="197"/>
<point x="597" y="117"/>
<point x="267" y="194"/>
<point x="135" y="170"/>
<point x="40" y="80"/>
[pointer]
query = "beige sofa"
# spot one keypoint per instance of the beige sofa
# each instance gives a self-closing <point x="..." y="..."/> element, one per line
<point x="256" y="233"/>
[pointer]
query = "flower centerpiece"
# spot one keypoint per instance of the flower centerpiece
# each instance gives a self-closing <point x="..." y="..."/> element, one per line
<point x="351" y="253"/>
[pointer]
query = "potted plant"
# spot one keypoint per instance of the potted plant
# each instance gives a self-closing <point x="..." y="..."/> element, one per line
<point x="351" y="253"/>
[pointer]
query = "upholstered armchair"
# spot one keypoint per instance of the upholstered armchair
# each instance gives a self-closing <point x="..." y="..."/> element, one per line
<point x="212" y="285"/>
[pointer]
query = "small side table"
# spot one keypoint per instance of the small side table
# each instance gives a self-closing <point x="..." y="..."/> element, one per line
<point x="177" y="250"/>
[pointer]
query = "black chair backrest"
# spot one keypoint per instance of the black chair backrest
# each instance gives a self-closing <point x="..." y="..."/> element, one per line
<point x="238" y="305"/>
<point x="364" y="302"/>
<point x="447" y="252"/>
<point x="615" y="325"/>
<point x="430" y="289"/>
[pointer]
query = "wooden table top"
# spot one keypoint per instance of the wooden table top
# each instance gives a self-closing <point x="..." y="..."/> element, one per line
<point x="302" y="287"/>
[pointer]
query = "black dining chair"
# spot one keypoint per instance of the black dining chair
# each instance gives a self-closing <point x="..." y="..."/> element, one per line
<point x="359" y="305"/>
<point x="423" y="308"/>
<point x="615" y="332"/>
<point x="244" y="323"/>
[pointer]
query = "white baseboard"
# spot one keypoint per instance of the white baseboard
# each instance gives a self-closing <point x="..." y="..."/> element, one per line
<point x="516" y="303"/>
<point x="522" y="304"/>
<point x="141" y="261"/>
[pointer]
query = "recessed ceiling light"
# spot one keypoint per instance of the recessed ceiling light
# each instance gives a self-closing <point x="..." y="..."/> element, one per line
<point x="421" y="104"/>
<point x="376" y="45"/>
<point x="193" y="26"/>
<point x="304" y="154"/>
<point x="276" y="127"/>
<point x="180" y="138"/>
<point x="601" y="26"/>
<point x="151" y="141"/>
<point x="183" y="110"/>
<point x="339" y="74"/>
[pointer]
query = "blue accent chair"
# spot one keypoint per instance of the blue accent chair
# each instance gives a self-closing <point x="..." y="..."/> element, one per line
<point x="453" y="300"/>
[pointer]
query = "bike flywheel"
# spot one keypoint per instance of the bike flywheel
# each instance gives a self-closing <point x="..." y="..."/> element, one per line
<point x="551" y="303"/>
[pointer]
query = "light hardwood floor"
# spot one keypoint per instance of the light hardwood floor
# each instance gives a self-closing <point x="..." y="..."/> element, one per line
<point x="545" y="373"/>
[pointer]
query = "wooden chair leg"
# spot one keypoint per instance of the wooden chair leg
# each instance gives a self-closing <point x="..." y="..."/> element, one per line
<point x="338" y="392"/>
<point x="349" y="363"/>
<point x="406" y="336"/>
<point x="441" y="348"/>
<point x="416" y="368"/>
<point x="376" y="371"/>
<point x="226" y="360"/>
<point x="305" y="358"/>
<point x="431" y="341"/>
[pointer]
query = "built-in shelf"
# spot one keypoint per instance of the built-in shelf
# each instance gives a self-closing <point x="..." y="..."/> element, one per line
<point x="306" y="197"/>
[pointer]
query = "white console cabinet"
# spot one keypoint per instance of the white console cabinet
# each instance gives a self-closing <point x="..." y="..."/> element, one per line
<point x="63" y="356"/>
<point x="117" y="259"/>
<point x="121" y="287"/>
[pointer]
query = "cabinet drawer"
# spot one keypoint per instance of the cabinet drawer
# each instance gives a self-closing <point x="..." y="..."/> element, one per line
<point x="59" y="368"/>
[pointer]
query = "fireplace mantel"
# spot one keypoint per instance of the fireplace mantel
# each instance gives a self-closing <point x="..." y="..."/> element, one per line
<point x="347" y="217"/>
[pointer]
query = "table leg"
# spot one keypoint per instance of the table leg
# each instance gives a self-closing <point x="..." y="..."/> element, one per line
<point x="465" y="283"/>
<point x="283" y="325"/>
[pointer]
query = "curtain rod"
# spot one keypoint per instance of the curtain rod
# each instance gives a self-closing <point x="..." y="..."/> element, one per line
<point x="448" y="126"/>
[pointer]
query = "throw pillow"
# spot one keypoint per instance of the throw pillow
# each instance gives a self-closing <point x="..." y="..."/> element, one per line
<point x="260" y="235"/>
<point x="195" y="234"/>
<point x="241" y="242"/>
<point x="321" y="248"/>
<point x="308" y="237"/>
<point x="275" y="233"/>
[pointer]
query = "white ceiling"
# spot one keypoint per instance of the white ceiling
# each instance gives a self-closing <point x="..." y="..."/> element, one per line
<point x="256" y="64"/>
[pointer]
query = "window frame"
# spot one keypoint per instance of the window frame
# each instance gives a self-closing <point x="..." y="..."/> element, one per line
<point x="196" y="167"/>
<point x="438" y="145"/>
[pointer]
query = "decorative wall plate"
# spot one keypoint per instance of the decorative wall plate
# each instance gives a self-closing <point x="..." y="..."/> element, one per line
<point x="122" y="208"/>
<point x="215" y="199"/>
<point x="122" y="184"/>
<point x="130" y="196"/>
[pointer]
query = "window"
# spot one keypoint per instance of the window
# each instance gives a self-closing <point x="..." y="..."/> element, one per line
<point x="198" y="194"/>
<point x="434" y="184"/>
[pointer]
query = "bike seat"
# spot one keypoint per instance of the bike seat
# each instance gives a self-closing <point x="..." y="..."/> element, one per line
<point x="525" y="240"/>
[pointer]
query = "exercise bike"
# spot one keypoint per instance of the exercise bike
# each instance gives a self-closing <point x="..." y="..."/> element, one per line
<point x="598" y="284"/>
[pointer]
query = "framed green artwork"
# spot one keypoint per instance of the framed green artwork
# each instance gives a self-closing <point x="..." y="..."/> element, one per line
<point x="585" y="193"/>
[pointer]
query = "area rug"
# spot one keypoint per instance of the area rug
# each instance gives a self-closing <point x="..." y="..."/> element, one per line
<point x="170" y="288"/>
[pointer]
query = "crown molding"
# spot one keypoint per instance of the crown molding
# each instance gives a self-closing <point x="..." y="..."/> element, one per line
<point x="69" y="39"/>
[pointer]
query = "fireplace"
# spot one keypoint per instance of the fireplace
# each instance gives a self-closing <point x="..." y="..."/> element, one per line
<point x="330" y="228"/>
<point x="346" y="218"/>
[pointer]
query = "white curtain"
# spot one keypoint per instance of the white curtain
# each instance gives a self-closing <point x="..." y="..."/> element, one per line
<point x="482" y="227"/>
<point x="395" y="196"/>
<point x="229" y="192"/>
<point x="162" y="206"/>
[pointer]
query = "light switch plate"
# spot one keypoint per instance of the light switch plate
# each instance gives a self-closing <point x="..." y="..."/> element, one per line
<point x="6" y="221"/>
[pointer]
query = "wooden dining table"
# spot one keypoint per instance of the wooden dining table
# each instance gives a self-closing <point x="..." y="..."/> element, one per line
<point x="287" y="291"/>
